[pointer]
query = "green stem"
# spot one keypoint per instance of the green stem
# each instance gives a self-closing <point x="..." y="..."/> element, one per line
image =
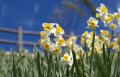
<point x="67" y="71"/>
<point x="91" y="61"/>
<point x="14" y="68"/>
<point x="86" y="49"/>
<point x="38" y="64"/>
<point x="49" y="66"/>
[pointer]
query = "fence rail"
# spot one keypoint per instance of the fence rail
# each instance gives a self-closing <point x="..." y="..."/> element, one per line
<point x="16" y="31"/>
<point x="15" y="42"/>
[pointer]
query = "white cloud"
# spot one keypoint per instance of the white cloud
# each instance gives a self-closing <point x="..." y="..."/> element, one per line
<point x="36" y="8"/>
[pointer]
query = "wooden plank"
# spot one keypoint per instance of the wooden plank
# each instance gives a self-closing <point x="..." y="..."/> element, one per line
<point x="8" y="30"/>
<point x="8" y="41"/>
<point x="31" y="43"/>
<point x="31" y="33"/>
<point x="20" y="39"/>
<point x="16" y="42"/>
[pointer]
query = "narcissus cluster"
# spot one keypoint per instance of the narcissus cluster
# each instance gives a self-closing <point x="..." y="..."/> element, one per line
<point x="52" y="37"/>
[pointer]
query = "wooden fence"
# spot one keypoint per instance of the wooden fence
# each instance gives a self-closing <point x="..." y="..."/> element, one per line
<point x="19" y="42"/>
<point x="19" y="32"/>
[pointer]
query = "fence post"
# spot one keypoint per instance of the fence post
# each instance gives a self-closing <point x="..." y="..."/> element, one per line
<point x="20" y="39"/>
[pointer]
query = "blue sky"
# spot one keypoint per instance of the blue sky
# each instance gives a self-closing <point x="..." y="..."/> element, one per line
<point x="30" y="14"/>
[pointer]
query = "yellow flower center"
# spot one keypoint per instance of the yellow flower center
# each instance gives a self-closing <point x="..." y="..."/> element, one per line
<point x="118" y="48"/>
<point x="47" y="27"/>
<point x="59" y="29"/>
<point x="112" y="44"/>
<point x="104" y="9"/>
<point x="42" y="34"/>
<point x="46" y="46"/>
<point x="103" y="32"/>
<point x="118" y="40"/>
<point x="68" y="41"/>
<point x="91" y="38"/>
<point x="86" y="33"/>
<point x="113" y="26"/>
<point x="41" y="41"/>
<point x="56" y="51"/>
<point x="99" y="51"/>
<point x="106" y="40"/>
<point x="108" y="19"/>
<point x="100" y="42"/>
<point x="111" y="15"/>
<point x="69" y="44"/>
<point x="96" y="44"/>
<point x="109" y="35"/>
<point x="82" y="40"/>
<point x="118" y="16"/>
<point x="97" y="38"/>
<point x="66" y="58"/>
<point x="61" y="41"/>
<point x="92" y="24"/>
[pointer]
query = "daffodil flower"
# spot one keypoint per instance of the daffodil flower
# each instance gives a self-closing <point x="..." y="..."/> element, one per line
<point x="68" y="59"/>
<point x="92" y="23"/>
